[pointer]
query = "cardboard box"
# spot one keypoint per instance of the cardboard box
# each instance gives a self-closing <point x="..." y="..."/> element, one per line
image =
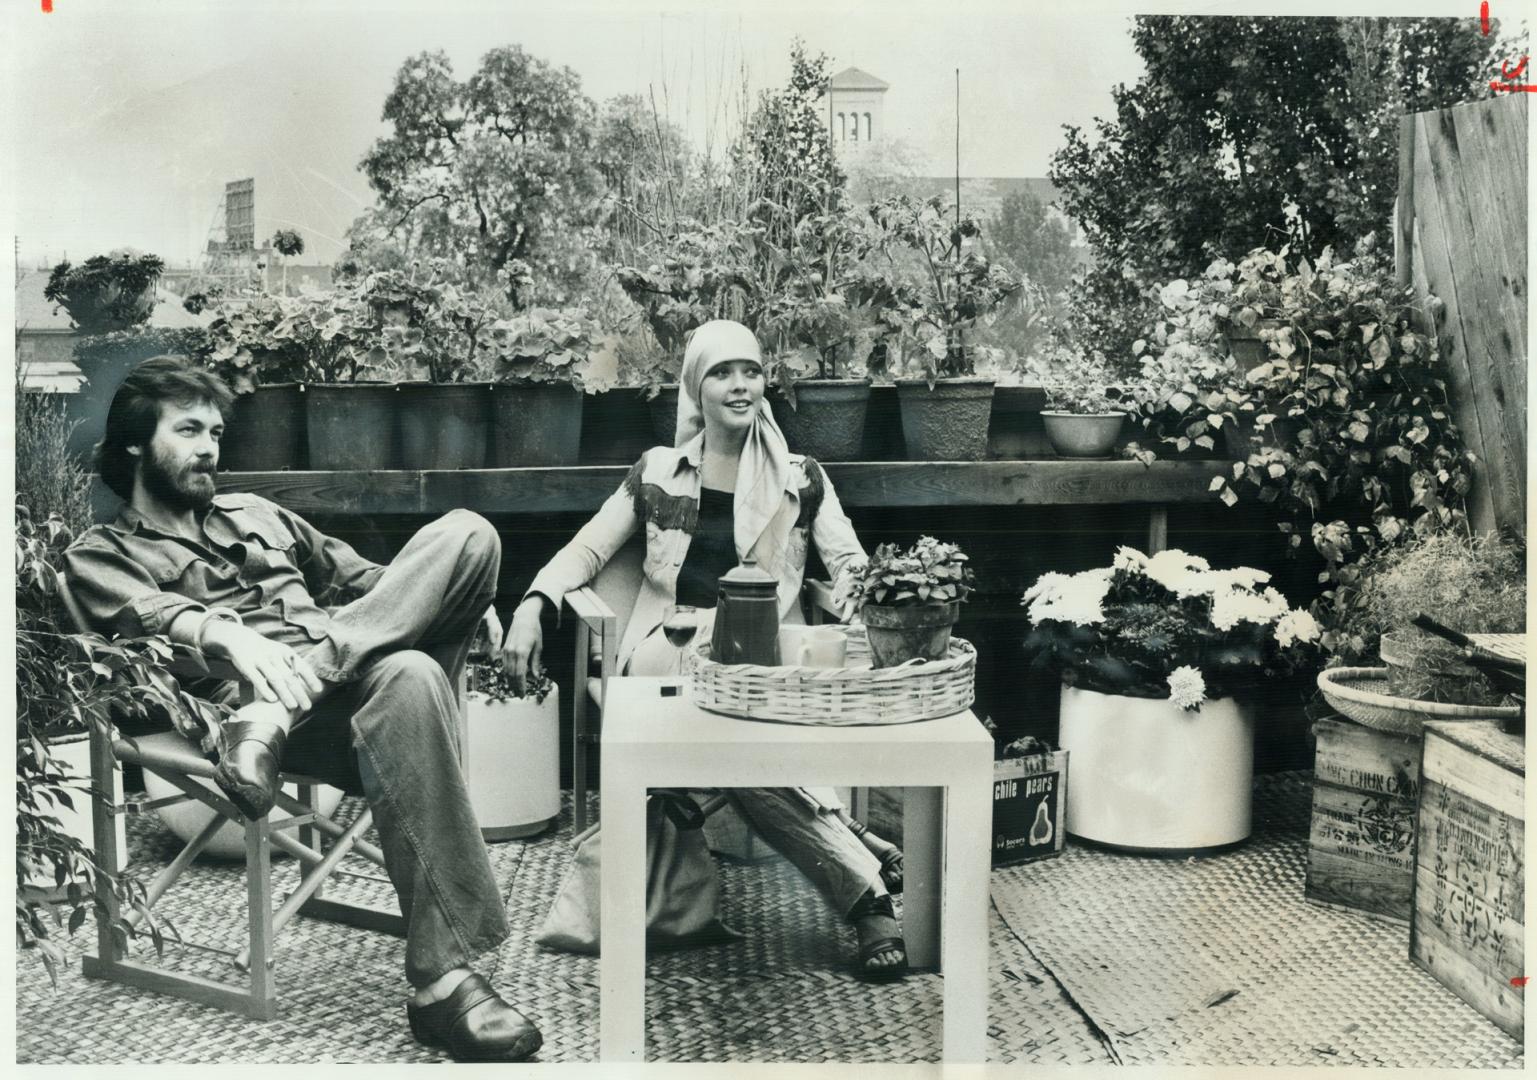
<point x="1028" y="796"/>
<point x="1469" y="884"/>
<point x="1361" y="839"/>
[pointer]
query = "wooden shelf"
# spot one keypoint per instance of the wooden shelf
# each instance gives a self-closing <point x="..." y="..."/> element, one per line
<point x="859" y="483"/>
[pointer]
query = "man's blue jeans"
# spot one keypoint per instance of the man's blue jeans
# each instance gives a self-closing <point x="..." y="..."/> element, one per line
<point x="392" y="731"/>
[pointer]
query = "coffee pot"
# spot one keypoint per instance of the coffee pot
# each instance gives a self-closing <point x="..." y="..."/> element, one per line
<point x="747" y="617"/>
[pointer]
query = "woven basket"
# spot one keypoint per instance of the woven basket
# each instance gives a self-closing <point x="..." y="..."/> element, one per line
<point x="1355" y="692"/>
<point x="837" y="697"/>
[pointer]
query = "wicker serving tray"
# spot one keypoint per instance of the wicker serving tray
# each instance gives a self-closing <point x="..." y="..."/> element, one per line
<point x="1355" y="692"/>
<point x="837" y="697"/>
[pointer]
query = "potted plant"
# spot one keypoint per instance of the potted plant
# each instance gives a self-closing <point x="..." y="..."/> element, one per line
<point x="265" y="431"/>
<point x="512" y="751"/>
<point x="1085" y="409"/>
<point x="1474" y="584"/>
<point x="910" y="600"/>
<point x="925" y="314"/>
<point x="1158" y="656"/>
<point x="540" y="363"/>
<point x="106" y="292"/>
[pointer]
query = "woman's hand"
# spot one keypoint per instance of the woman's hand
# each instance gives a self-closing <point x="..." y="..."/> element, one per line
<point x="524" y="642"/>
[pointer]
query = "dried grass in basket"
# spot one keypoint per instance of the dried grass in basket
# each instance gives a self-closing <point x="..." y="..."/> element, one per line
<point x="837" y="697"/>
<point x="1353" y="693"/>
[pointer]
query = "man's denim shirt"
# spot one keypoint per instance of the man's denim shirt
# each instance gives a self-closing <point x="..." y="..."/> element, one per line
<point x="267" y="564"/>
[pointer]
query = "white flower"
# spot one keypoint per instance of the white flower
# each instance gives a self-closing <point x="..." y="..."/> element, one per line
<point x="1078" y="599"/>
<point x="1046" y="587"/>
<point x="1129" y="558"/>
<point x="1187" y="687"/>
<point x="1296" y="626"/>
<point x="1179" y="573"/>
<point x="1233" y="606"/>
<point x="1242" y="577"/>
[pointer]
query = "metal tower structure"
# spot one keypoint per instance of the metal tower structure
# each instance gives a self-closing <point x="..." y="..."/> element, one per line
<point x="230" y="259"/>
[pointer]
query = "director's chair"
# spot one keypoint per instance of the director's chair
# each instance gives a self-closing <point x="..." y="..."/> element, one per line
<point x="176" y="759"/>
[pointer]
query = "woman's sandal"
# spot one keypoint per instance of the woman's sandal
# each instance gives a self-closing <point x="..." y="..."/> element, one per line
<point x="867" y="905"/>
<point x="890" y="856"/>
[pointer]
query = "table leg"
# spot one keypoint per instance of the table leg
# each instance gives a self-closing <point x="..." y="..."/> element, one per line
<point x="622" y="965"/>
<point x="965" y="917"/>
<point x="923" y="873"/>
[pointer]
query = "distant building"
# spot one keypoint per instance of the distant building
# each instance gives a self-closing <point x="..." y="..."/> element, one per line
<point x="45" y="338"/>
<point x="854" y="112"/>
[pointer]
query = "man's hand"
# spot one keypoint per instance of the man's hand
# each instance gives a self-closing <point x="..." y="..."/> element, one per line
<point x="274" y="670"/>
<point x="493" y="628"/>
<point x="525" y="641"/>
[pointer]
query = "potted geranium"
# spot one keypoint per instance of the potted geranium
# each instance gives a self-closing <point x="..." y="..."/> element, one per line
<point x="1084" y="407"/>
<point x="264" y="367"/>
<point x="910" y="600"/>
<point x="946" y="406"/>
<point x="540" y="360"/>
<point x="1158" y="656"/>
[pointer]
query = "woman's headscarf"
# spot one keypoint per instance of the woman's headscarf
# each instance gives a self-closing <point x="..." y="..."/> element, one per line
<point x="764" y="469"/>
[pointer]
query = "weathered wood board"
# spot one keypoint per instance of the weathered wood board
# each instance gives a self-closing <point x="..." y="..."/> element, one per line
<point x="1469" y="879"/>
<point x="1361" y="839"/>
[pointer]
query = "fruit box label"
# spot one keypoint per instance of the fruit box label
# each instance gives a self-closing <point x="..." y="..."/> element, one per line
<point x="1027" y="808"/>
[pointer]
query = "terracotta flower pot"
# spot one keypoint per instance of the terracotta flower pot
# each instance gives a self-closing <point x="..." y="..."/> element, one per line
<point x="351" y="426"/>
<point x="1082" y="435"/>
<point x="948" y="422"/>
<point x="265" y="430"/>
<point x="828" y="419"/>
<point x="901" y="632"/>
<point x="1146" y="775"/>
<point x="538" y="424"/>
<point x="444" y="425"/>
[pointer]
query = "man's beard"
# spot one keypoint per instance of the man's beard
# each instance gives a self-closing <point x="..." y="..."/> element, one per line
<point x="179" y="489"/>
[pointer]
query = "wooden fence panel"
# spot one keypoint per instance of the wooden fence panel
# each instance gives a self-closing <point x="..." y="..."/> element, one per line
<point x="1466" y="203"/>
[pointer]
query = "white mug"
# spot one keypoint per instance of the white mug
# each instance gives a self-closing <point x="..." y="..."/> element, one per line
<point x="812" y="646"/>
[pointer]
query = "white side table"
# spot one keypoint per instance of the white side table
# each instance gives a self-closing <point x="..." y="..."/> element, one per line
<point x="652" y="741"/>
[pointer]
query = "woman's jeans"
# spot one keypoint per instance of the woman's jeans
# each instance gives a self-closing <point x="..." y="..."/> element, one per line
<point x="392" y="732"/>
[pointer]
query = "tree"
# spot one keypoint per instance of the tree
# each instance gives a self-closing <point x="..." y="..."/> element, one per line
<point x="494" y="174"/>
<point x="1247" y="132"/>
<point x="645" y="163"/>
<point x="1024" y="235"/>
<point x="287" y="243"/>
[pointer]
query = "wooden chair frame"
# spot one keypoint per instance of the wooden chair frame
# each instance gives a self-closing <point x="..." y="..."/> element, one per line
<point x="172" y="757"/>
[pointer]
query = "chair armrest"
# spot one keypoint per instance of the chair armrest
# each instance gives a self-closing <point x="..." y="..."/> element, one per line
<point x="588" y="606"/>
<point x="820" y="593"/>
<point x="188" y="663"/>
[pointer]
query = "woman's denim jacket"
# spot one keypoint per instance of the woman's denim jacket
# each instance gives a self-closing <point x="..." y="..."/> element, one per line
<point x="662" y="490"/>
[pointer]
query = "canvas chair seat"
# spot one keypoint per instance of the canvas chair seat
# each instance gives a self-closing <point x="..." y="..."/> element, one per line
<point x="320" y="844"/>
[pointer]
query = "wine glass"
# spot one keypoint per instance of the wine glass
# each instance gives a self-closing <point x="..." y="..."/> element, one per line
<point x="680" y="622"/>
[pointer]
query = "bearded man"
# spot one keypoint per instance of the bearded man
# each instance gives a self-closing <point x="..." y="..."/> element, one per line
<point x="353" y="664"/>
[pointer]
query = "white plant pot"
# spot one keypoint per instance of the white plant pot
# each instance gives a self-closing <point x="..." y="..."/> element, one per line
<point x="73" y="753"/>
<point x="512" y="758"/>
<point x="187" y="819"/>
<point x="1144" y="774"/>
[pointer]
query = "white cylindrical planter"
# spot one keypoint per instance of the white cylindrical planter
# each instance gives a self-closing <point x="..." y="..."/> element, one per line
<point x="73" y="754"/>
<point x="512" y="760"/>
<point x="187" y="819"/>
<point x="1144" y="774"/>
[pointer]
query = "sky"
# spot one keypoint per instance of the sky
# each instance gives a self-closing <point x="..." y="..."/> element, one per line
<point x="128" y="116"/>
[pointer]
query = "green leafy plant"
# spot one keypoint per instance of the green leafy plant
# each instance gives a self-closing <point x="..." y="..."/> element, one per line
<point x="927" y="317"/>
<point x="1078" y="382"/>
<point x="288" y="242"/>
<point x="929" y="572"/>
<point x="1347" y="423"/>
<point x="545" y="345"/>
<point x="106" y="292"/>
<point x="1167" y="626"/>
<point x="68" y="682"/>
<point x="489" y="679"/>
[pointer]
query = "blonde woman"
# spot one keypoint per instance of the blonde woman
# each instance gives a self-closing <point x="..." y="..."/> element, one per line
<point x="729" y="488"/>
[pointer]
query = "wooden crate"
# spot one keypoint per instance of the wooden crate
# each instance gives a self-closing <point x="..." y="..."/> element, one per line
<point x="1361" y="840"/>
<point x="1469" y="886"/>
<point x="1028" y="796"/>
